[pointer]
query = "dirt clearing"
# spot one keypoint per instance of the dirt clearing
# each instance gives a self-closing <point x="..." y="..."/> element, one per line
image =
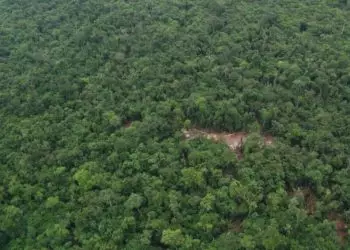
<point x="340" y="226"/>
<point x="234" y="141"/>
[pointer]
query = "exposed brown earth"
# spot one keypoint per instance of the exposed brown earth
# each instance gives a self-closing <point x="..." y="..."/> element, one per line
<point x="309" y="198"/>
<point x="127" y="124"/>
<point x="340" y="226"/>
<point x="268" y="139"/>
<point x="234" y="141"/>
<point x="236" y="225"/>
<point x="310" y="206"/>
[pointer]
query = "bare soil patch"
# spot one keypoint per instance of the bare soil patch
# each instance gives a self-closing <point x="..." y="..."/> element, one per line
<point x="340" y="226"/>
<point x="309" y="198"/>
<point x="234" y="141"/>
<point x="236" y="225"/>
<point x="310" y="206"/>
<point x="310" y="201"/>
<point x="127" y="124"/>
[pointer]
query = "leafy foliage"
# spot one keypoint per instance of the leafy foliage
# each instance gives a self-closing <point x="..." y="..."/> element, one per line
<point x="93" y="97"/>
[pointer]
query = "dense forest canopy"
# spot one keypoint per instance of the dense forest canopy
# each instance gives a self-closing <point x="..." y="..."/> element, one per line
<point x="95" y="96"/>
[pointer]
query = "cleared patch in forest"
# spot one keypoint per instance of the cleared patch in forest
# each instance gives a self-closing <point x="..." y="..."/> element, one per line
<point x="310" y="206"/>
<point x="340" y="226"/>
<point x="309" y="199"/>
<point x="236" y="225"/>
<point x="234" y="141"/>
<point x="127" y="124"/>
